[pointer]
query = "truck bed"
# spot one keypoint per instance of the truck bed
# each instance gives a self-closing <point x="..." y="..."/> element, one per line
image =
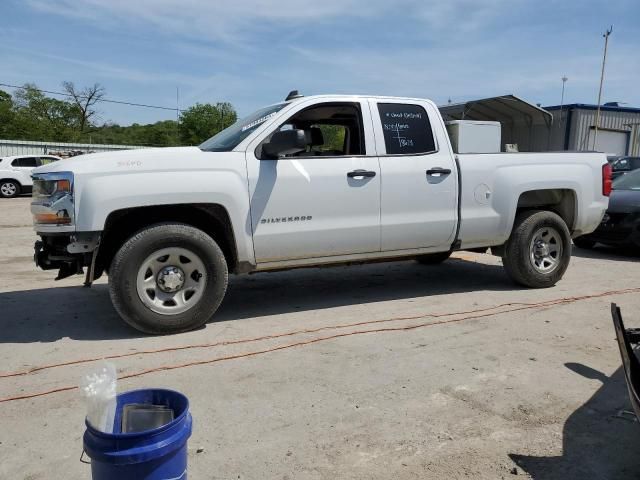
<point x="492" y="187"/>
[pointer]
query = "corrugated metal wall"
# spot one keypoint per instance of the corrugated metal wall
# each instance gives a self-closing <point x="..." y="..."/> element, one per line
<point x="558" y="130"/>
<point x="634" y="148"/>
<point x="580" y="122"/>
<point x="583" y="120"/>
<point x="25" y="147"/>
<point x="534" y="138"/>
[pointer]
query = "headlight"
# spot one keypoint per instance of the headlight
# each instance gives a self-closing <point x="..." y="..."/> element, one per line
<point x="52" y="198"/>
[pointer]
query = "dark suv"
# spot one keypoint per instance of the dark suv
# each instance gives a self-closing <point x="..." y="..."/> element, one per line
<point x="624" y="165"/>
<point x="620" y="226"/>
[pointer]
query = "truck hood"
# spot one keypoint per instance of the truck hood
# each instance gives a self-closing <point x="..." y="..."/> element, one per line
<point x="123" y="160"/>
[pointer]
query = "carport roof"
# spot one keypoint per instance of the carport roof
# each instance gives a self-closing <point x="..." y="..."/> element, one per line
<point x="611" y="107"/>
<point x="503" y="109"/>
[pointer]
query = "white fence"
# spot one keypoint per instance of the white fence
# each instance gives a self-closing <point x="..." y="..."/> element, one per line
<point x="25" y="147"/>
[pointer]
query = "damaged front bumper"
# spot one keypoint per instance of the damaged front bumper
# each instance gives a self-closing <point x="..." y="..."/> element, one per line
<point x="69" y="254"/>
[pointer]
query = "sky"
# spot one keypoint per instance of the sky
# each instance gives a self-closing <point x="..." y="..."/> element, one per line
<point x="253" y="52"/>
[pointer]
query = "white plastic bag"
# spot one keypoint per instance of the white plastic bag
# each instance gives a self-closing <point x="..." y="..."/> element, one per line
<point x="98" y="387"/>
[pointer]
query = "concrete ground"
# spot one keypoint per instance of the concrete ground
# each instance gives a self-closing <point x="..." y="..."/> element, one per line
<point x="533" y="392"/>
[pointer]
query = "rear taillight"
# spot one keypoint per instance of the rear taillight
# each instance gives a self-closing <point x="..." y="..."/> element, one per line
<point x="606" y="180"/>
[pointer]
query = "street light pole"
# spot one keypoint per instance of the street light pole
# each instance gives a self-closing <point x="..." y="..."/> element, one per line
<point x="564" y="80"/>
<point x="604" y="60"/>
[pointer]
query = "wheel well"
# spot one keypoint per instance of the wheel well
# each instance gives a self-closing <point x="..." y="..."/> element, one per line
<point x="11" y="179"/>
<point x="560" y="201"/>
<point x="212" y="219"/>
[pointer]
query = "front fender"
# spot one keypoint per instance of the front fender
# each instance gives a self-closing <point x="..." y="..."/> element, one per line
<point x="98" y="196"/>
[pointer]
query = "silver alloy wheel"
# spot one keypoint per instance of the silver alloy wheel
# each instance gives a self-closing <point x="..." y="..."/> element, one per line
<point x="545" y="250"/>
<point x="171" y="280"/>
<point x="8" y="189"/>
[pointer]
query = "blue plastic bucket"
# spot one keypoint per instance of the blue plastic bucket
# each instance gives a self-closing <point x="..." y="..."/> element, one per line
<point x="158" y="454"/>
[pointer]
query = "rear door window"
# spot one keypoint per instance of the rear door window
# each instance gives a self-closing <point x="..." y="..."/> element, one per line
<point x="29" y="162"/>
<point x="406" y="129"/>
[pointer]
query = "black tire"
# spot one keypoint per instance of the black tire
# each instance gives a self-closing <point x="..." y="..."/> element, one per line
<point x="433" y="258"/>
<point x="128" y="261"/>
<point x="583" y="242"/>
<point x="517" y="256"/>
<point x="9" y="188"/>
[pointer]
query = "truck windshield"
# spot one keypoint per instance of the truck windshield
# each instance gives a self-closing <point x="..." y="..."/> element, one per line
<point x="230" y="137"/>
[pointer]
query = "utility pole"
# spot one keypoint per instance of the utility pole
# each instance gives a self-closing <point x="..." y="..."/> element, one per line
<point x="604" y="60"/>
<point x="564" y="80"/>
<point x="177" y="116"/>
<point x="177" y="105"/>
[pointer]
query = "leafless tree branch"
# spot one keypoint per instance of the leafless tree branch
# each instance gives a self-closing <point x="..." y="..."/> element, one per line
<point x="85" y="99"/>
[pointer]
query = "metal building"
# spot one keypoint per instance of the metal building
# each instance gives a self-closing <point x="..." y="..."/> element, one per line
<point x="574" y="128"/>
<point x="26" y="147"/>
<point x="525" y="126"/>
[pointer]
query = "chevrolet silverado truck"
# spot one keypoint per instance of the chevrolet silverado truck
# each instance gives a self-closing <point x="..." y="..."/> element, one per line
<point x="310" y="181"/>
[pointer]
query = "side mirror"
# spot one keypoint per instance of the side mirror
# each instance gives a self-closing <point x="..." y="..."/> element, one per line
<point x="285" y="142"/>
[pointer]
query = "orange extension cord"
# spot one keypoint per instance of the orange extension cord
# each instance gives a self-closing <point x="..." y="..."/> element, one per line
<point x="519" y="306"/>
<point x="249" y="340"/>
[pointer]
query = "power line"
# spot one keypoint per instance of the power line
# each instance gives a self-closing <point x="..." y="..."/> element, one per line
<point x="106" y="100"/>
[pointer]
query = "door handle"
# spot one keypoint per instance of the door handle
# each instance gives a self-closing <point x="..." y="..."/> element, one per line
<point x="361" y="173"/>
<point x="439" y="171"/>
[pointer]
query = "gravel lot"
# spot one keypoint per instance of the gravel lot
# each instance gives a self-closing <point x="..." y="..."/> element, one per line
<point x="534" y="391"/>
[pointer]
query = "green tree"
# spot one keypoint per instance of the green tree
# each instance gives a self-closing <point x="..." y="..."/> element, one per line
<point x="6" y="115"/>
<point x="333" y="136"/>
<point x="159" y="134"/>
<point x="38" y="117"/>
<point x="204" y="120"/>
<point x="30" y="115"/>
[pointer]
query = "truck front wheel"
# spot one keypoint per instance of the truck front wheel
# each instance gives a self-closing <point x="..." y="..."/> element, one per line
<point x="539" y="249"/>
<point x="168" y="278"/>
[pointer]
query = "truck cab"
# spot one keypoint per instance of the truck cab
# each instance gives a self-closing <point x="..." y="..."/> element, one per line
<point x="347" y="149"/>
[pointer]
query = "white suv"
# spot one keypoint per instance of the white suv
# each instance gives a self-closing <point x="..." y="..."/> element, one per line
<point x="15" y="173"/>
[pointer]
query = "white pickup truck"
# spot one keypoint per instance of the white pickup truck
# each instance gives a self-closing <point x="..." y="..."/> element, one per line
<point x="310" y="181"/>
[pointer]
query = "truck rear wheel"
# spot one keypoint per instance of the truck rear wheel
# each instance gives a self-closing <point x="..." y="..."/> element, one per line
<point x="539" y="249"/>
<point x="168" y="278"/>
